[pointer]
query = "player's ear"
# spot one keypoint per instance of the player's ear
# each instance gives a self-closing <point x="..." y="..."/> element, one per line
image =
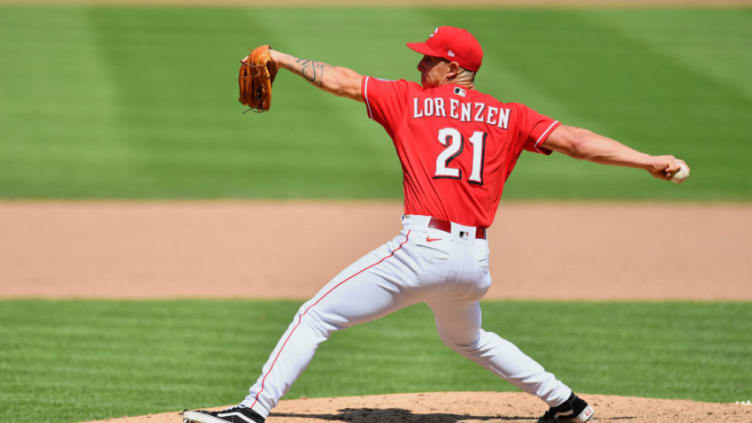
<point x="454" y="70"/>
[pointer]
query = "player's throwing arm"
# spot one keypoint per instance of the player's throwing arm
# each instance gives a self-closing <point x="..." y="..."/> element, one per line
<point x="587" y="145"/>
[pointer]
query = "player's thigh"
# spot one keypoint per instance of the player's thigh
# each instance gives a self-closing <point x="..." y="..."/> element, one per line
<point x="370" y="288"/>
<point x="457" y="322"/>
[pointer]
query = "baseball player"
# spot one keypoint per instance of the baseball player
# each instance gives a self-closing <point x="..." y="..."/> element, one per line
<point x="457" y="147"/>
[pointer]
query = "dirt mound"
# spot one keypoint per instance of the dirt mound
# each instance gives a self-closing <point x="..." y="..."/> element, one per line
<point x="467" y="407"/>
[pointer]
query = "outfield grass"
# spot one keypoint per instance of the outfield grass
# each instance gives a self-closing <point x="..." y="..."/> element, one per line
<point x="96" y="359"/>
<point x="140" y="102"/>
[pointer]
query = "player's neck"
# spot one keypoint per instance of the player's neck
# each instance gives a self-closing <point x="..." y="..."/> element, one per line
<point x="463" y="84"/>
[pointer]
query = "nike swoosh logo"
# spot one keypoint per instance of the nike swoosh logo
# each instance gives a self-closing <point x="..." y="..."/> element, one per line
<point x="429" y="239"/>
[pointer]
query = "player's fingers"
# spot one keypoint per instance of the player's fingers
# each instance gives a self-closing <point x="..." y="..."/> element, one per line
<point x="659" y="173"/>
<point x="673" y="167"/>
<point x="658" y="167"/>
<point x="664" y="167"/>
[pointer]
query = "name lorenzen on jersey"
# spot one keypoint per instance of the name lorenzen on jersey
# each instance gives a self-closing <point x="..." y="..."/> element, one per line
<point x="463" y="111"/>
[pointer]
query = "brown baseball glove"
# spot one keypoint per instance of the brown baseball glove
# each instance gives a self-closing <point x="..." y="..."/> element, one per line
<point x="257" y="73"/>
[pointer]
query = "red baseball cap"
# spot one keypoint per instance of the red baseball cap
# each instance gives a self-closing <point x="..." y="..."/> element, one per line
<point x="453" y="44"/>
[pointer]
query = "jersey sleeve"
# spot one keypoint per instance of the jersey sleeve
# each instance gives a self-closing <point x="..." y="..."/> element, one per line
<point x="535" y="129"/>
<point x="385" y="100"/>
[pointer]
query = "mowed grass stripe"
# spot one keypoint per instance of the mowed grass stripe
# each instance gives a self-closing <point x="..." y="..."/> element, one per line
<point x="97" y="359"/>
<point x="143" y="100"/>
<point x="707" y="42"/>
<point x="313" y="149"/>
<point x="685" y="54"/>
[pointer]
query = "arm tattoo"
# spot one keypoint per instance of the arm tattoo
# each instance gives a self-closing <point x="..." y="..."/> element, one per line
<point x="312" y="70"/>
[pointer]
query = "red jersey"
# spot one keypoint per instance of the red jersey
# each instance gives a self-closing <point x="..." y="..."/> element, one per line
<point x="457" y="146"/>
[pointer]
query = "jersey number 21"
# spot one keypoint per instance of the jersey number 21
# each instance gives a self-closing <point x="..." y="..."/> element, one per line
<point x="453" y="141"/>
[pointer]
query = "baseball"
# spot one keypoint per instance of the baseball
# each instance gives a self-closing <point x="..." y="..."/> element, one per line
<point x="681" y="174"/>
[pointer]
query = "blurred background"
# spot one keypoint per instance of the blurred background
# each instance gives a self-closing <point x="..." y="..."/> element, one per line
<point x="108" y="101"/>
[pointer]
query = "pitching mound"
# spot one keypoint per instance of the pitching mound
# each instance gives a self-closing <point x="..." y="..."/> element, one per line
<point x="467" y="407"/>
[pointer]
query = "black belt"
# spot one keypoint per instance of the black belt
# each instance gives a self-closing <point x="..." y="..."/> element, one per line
<point x="446" y="226"/>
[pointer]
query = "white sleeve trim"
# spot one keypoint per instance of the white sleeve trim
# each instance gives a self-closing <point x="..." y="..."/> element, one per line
<point x="365" y="97"/>
<point x="543" y="136"/>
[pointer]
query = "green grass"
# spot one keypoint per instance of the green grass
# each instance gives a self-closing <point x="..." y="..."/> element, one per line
<point x="96" y="359"/>
<point x="140" y="102"/>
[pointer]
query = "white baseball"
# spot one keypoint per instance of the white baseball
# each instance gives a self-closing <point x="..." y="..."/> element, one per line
<point x="681" y="174"/>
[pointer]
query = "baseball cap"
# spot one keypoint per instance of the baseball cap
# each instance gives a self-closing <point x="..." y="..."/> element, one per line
<point x="453" y="44"/>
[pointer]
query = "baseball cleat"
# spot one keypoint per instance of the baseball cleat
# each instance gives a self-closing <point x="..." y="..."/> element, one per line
<point x="237" y="414"/>
<point x="574" y="410"/>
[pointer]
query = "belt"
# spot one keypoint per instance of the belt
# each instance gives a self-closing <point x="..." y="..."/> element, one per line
<point x="446" y="226"/>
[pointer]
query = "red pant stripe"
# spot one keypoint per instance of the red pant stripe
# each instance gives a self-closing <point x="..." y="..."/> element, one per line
<point x="300" y="318"/>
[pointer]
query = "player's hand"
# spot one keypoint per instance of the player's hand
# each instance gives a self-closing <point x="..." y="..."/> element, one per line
<point x="664" y="167"/>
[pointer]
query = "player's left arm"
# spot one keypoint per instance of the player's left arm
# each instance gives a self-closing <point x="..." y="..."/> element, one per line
<point x="337" y="80"/>
<point x="587" y="145"/>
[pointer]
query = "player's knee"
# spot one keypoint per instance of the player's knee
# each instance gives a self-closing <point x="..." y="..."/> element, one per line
<point x="319" y="321"/>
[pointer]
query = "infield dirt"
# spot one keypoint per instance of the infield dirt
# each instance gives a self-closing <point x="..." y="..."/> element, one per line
<point x="290" y="249"/>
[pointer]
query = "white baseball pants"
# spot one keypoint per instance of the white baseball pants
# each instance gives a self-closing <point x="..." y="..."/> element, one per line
<point x="447" y="271"/>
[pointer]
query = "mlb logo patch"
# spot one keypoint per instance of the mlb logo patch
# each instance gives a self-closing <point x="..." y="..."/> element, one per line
<point x="460" y="92"/>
